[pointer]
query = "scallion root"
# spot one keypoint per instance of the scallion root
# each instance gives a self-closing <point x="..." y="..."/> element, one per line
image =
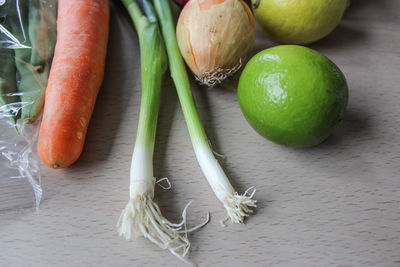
<point x="142" y="217"/>
<point x="238" y="206"/>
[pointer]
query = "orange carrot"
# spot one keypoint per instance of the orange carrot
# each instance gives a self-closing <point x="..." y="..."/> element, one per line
<point x="75" y="79"/>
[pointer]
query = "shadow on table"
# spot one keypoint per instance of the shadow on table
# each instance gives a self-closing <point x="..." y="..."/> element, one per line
<point x="355" y="124"/>
<point x="168" y="108"/>
<point x="343" y="37"/>
<point x="346" y="144"/>
<point x="360" y="6"/>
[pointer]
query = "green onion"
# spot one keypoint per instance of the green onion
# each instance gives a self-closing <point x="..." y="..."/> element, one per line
<point x="142" y="216"/>
<point x="237" y="206"/>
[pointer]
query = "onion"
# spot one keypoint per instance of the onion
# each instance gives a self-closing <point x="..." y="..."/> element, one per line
<point x="214" y="37"/>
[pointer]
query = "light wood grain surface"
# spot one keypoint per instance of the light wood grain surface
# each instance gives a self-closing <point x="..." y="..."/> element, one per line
<point x="337" y="204"/>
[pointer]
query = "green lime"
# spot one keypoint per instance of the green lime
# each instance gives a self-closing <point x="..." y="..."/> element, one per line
<point x="300" y="21"/>
<point x="292" y="95"/>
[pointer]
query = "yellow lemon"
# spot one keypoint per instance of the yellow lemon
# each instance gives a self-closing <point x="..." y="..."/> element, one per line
<point x="298" y="21"/>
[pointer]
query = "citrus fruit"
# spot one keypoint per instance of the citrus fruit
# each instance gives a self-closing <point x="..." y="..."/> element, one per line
<point x="292" y="95"/>
<point x="298" y="21"/>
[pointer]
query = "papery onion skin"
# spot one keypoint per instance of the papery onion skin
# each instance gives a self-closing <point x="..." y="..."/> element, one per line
<point x="214" y="37"/>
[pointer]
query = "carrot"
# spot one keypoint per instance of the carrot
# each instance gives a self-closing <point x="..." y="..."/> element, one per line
<point x="76" y="75"/>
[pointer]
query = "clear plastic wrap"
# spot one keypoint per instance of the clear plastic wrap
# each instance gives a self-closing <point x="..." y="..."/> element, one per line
<point x="27" y="41"/>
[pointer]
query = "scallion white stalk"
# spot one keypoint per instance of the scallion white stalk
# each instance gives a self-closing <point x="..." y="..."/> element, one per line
<point x="237" y="206"/>
<point x="142" y="216"/>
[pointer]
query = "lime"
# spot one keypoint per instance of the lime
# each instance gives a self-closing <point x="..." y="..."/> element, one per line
<point x="299" y="21"/>
<point x="292" y="95"/>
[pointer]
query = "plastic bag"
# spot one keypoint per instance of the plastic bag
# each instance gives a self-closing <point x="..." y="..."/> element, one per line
<point x="27" y="41"/>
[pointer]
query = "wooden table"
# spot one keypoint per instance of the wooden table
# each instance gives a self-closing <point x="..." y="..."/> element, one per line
<point x="334" y="204"/>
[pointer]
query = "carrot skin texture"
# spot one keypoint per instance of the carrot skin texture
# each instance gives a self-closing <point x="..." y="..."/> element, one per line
<point x="76" y="75"/>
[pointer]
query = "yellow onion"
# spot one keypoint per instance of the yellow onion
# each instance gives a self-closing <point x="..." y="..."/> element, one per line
<point x="214" y="37"/>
